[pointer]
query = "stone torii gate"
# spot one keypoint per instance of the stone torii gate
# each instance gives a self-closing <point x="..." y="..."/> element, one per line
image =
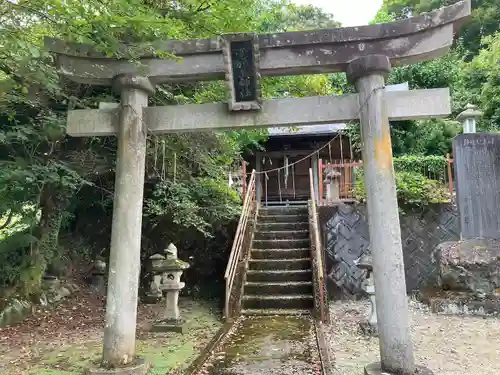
<point x="365" y="53"/>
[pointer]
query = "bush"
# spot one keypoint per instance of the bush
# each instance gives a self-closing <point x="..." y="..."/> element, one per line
<point x="412" y="189"/>
<point x="426" y="165"/>
<point x="14" y="258"/>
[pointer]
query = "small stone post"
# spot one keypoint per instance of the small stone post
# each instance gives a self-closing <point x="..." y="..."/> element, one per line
<point x="370" y="326"/>
<point x="125" y="260"/>
<point x="171" y="269"/>
<point x="332" y="180"/>
<point x="396" y="349"/>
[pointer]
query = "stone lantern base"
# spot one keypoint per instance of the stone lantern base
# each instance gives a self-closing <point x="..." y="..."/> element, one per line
<point x="169" y="325"/>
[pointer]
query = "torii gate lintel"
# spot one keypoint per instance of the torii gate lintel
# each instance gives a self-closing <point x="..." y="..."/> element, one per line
<point x="407" y="41"/>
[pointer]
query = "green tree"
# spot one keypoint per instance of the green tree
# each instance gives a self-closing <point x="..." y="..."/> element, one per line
<point x="51" y="182"/>
<point x="478" y="82"/>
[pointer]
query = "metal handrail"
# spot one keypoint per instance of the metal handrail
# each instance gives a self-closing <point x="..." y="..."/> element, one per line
<point x="249" y="202"/>
<point x="317" y="256"/>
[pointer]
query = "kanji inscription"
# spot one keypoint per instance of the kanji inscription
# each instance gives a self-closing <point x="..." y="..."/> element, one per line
<point x="241" y="61"/>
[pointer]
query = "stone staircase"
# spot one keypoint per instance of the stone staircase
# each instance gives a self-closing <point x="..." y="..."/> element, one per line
<point x="279" y="275"/>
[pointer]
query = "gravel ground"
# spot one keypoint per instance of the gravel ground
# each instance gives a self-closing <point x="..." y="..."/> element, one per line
<point x="448" y="345"/>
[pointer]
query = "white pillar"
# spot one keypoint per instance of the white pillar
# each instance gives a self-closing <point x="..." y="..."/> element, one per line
<point x="125" y="261"/>
<point x="258" y="177"/>
<point x="315" y="167"/>
<point x="396" y="350"/>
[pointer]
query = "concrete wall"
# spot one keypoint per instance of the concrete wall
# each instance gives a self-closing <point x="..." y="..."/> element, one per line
<point x="346" y="239"/>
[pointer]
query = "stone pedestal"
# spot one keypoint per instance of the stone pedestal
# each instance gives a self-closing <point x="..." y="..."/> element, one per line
<point x="167" y="278"/>
<point x="468" y="278"/>
<point x="468" y="281"/>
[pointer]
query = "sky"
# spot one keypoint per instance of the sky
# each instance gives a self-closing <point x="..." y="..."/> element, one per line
<point x="347" y="12"/>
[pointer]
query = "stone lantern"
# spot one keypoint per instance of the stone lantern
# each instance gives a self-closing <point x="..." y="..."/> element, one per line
<point x="167" y="276"/>
<point x="370" y="326"/>
<point x="469" y="118"/>
<point x="154" y="295"/>
<point x="332" y="181"/>
<point x="99" y="276"/>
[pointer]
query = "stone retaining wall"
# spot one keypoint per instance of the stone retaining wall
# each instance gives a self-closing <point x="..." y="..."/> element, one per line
<point x="345" y="238"/>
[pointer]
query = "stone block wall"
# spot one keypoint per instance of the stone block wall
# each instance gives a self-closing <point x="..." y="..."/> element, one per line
<point x="345" y="239"/>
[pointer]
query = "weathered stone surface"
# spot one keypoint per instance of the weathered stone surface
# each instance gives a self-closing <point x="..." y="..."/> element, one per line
<point x="306" y="52"/>
<point x="58" y="295"/>
<point x="477" y="171"/>
<point x="452" y="14"/>
<point x="470" y="266"/>
<point x="401" y="105"/>
<point x="366" y="65"/>
<point x="15" y="311"/>
<point x="54" y="290"/>
<point x="132" y="81"/>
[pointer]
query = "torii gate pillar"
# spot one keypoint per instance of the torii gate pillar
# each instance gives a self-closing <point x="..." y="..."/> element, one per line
<point x="125" y="252"/>
<point x="396" y="350"/>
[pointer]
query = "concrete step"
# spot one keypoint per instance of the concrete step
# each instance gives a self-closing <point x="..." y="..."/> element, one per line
<point x="279" y="276"/>
<point x="282" y="235"/>
<point x="279" y="264"/>
<point x="283" y="288"/>
<point x="292" y="218"/>
<point x="293" y="301"/>
<point x="293" y="225"/>
<point x="280" y="253"/>
<point x="268" y="312"/>
<point x="284" y="210"/>
<point x="281" y="244"/>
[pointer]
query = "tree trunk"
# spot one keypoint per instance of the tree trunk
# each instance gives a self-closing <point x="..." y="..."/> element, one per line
<point x="53" y="203"/>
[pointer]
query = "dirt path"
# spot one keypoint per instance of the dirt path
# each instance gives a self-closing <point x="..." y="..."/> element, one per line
<point x="267" y="345"/>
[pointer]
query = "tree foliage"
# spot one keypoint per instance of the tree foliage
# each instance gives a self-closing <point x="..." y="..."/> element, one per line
<point x="52" y="183"/>
<point x="470" y="70"/>
<point x="413" y="189"/>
